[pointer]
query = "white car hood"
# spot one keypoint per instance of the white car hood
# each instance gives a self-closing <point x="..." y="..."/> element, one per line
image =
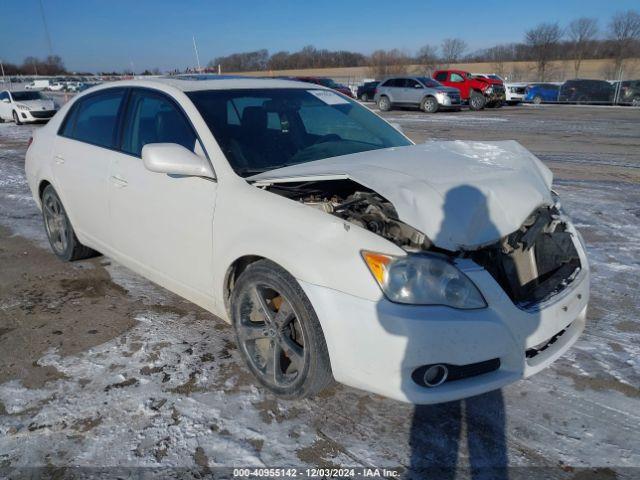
<point x="462" y="195"/>
<point x="38" y="104"/>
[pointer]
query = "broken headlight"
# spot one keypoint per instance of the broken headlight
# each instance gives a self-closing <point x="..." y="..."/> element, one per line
<point x="423" y="280"/>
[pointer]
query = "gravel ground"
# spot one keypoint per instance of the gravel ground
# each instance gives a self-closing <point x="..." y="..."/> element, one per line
<point x="101" y="368"/>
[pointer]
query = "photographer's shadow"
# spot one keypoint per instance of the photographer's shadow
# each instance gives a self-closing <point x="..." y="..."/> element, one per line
<point x="436" y="433"/>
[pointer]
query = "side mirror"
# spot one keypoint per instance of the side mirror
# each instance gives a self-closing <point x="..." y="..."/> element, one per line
<point x="417" y="86"/>
<point x="174" y="159"/>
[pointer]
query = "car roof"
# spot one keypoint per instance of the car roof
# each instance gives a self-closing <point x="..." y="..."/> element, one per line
<point x="194" y="83"/>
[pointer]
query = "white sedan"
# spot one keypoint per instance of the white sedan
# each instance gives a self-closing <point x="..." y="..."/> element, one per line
<point x="336" y="247"/>
<point x="25" y="107"/>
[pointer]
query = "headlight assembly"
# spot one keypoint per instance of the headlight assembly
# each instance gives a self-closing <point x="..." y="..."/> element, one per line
<point x="422" y="279"/>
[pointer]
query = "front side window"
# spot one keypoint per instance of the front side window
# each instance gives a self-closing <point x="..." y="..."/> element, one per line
<point x="429" y="82"/>
<point x="4" y="96"/>
<point x="264" y="129"/>
<point x="455" y="77"/>
<point x="94" y="118"/>
<point x="153" y="118"/>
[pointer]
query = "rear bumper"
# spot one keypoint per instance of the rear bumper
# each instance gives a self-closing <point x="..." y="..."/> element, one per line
<point x="376" y="346"/>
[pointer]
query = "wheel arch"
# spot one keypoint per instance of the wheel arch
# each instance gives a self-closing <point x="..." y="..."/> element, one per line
<point x="233" y="272"/>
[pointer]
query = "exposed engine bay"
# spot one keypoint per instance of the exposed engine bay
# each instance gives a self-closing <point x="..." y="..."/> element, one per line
<point x="358" y="205"/>
<point x="531" y="264"/>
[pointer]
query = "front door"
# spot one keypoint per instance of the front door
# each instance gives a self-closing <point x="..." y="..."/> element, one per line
<point x="163" y="223"/>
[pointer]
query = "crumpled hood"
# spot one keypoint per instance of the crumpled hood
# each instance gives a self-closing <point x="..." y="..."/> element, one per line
<point x="461" y="194"/>
<point x="38" y="104"/>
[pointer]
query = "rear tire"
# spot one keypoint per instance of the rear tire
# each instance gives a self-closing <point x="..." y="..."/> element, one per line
<point x="384" y="104"/>
<point x="16" y="118"/>
<point x="278" y="332"/>
<point x="60" y="233"/>
<point x="429" y="105"/>
<point x="476" y="101"/>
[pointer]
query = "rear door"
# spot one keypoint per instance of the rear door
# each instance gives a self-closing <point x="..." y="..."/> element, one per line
<point x="83" y="151"/>
<point x="164" y="223"/>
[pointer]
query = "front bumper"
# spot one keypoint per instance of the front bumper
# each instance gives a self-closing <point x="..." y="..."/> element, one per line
<point x="495" y="97"/>
<point x="35" y="115"/>
<point x="376" y="345"/>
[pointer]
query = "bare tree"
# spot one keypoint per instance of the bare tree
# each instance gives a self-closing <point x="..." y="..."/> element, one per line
<point x="543" y="41"/>
<point x="581" y="32"/>
<point x="383" y="63"/>
<point x="453" y="49"/>
<point x="624" y="31"/>
<point x="428" y="56"/>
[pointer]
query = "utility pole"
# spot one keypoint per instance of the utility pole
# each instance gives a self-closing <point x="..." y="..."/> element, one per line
<point x="195" y="49"/>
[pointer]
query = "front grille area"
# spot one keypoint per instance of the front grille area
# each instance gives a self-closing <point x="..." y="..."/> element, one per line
<point x="534" y="263"/>
<point x="42" y="113"/>
<point x="455" y="98"/>
<point x="459" y="372"/>
<point x="538" y="349"/>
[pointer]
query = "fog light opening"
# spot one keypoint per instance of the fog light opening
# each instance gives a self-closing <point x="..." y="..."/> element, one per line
<point x="435" y="375"/>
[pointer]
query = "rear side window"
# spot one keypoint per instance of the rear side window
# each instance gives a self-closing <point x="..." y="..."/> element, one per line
<point x="153" y="118"/>
<point x="94" y="119"/>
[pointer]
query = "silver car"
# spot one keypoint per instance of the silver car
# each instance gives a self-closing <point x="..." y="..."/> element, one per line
<point x="426" y="93"/>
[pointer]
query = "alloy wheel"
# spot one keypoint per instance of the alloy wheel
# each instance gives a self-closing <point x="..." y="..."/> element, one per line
<point x="55" y="221"/>
<point x="271" y="337"/>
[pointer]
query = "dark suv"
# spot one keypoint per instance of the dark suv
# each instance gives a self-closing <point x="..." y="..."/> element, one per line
<point x="367" y="91"/>
<point x="586" y="91"/>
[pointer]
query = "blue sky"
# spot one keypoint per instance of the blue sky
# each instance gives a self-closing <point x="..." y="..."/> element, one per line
<point x="104" y="35"/>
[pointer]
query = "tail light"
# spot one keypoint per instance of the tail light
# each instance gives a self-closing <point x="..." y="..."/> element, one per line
<point x="29" y="142"/>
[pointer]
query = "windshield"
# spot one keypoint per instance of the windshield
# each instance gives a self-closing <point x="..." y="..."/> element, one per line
<point x="264" y="129"/>
<point x="23" y="96"/>
<point x="429" y="82"/>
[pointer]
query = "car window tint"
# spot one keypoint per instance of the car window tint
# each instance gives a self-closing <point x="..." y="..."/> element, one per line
<point x="456" y="78"/>
<point x="96" y="118"/>
<point x="153" y="118"/>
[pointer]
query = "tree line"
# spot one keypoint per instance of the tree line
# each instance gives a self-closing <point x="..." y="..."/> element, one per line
<point x="581" y="39"/>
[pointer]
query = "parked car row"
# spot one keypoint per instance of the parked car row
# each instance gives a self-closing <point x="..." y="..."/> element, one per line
<point x="58" y="86"/>
<point x="585" y="91"/>
<point x="447" y="90"/>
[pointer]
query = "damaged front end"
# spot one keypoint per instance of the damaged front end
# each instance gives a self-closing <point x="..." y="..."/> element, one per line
<point x="536" y="262"/>
<point x="531" y="265"/>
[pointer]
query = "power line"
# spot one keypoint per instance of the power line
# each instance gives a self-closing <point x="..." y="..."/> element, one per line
<point x="46" y="29"/>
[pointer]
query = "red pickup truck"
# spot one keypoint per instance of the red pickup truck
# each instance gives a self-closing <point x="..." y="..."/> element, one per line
<point x="477" y="91"/>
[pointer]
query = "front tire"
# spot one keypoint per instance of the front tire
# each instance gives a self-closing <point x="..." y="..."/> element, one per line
<point x="60" y="233"/>
<point x="429" y="105"/>
<point x="384" y="104"/>
<point x="278" y="332"/>
<point x="16" y="118"/>
<point x="476" y="101"/>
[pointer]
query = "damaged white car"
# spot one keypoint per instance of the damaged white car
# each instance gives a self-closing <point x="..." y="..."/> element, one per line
<point x="336" y="247"/>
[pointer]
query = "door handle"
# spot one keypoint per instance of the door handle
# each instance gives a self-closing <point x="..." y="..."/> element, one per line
<point x="119" y="182"/>
<point x="58" y="159"/>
